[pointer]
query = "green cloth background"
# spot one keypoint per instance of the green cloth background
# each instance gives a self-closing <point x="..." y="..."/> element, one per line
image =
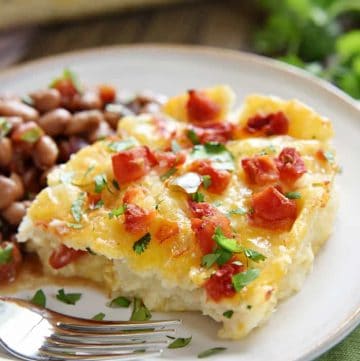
<point x="347" y="350"/>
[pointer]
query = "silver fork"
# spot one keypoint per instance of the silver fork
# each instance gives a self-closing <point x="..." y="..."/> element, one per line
<point x="29" y="332"/>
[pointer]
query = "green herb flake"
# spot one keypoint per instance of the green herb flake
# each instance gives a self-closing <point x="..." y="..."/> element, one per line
<point x="116" y="212"/>
<point x="253" y="255"/>
<point x="228" y="313"/>
<point x="39" y="298"/>
<point x="98" y="204"/>
<point x="121" y="145"/>
<point x="141" y="245"/>
<point x="100" y="182"/>
<point x="74" y="225"/>
<point x="175" y="147"/>
<point x="229" y="244"/>
<point x="211" y="351"/>
<point x="119" y="302"/>
<point x="99" y="316"/>
<point x="6" y="254"/>
<point x="140" y="311"/>
<point x="209" y="259"/>
<point x="180" y="342"/>
<point x="5" y="127"/>
<point x="193" y="137"/>
<point x="241" y="280"/>
<point x="197" y="197"/>
<point x="68" y="298"/>
<point x="206" y="181"/>
<point x="293" y="195"/>
<point x="237" y="211"/>
<point x="249" y="307"/>
<point x="76" y="207"/>
<point x="168" y="174"/>
<point x="32" y="135"/>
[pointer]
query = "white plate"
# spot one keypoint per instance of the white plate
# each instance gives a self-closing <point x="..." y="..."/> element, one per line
<point x="328" y="307"/>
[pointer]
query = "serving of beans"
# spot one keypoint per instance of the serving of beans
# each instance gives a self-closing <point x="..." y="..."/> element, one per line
<point x="42" y="130"/>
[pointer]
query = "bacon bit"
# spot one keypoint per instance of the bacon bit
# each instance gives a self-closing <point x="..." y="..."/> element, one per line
<point x="132" y="164"/>
<point x="219" y="285"/>
<point x="272" y="210"/>
<point x="260" y="170"/>
<point x="166" y="230"/>
<point x="107" y="93"/>
<point x="290" y="165"/>
<point x="200" y="108"/>
<point x="206" y="220"/>
<point x="62" y="256"/>
<point x="137" y="219"/>
<point x="220" y="178"/>
<point x="270" y="124"/>
<point x="8" y="270"/>
<point x="167" y="160"/>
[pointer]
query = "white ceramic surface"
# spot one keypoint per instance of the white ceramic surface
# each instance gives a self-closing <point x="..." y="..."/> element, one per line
<point x="328" y="306"/>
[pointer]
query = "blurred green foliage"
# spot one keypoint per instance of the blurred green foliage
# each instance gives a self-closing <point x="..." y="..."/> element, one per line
<point x="321" y="36"/>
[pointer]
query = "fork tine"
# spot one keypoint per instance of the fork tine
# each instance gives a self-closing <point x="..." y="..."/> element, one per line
<point x="113" y="327"/>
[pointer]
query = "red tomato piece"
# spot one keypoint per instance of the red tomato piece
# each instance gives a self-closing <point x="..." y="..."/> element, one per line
<point x="132" y="164"/>
<point x="167" y="160"/>
<point x="166" y="230"/>
<point x="219" y="285"/>
<point x="8" y="270"/>
<point x="220" y="178"/>
<point x="270" y="124"/>
<point x="272" y="210"/>
<point x="214" y="132"/>
<point x="107" y="93"/>
<point x="66" y="87"/>
<point x="202" y="209"/>
<point x="260" y="170"/>
<point x="200" y="108"/>
<point x="137" y="219"/>
<point x="290" y="165"/>
<point x="63" y="256"/>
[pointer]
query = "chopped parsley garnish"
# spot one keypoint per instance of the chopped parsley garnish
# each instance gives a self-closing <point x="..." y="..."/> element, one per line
<point x="121" y="145"/>
<point x="175" y="147"/>
<point x="193" y="136"/>
<point x="198" y="197"/>
<point x="39" y="298"/>
<point x="211" y="351"/>
<point x="116" y="212"/>
<point x="238" y="211"/>
<point x="180" y="342"/>
<point x="168" y="174"/>
<point x="228" y="313"/>
<point x="101" y="183"/>
<point x="68" y="298"/>
<point x="74" y="225"/>
<point x="5" y="127"/>
<point x="229" y="244"/>
<point x="220" y="157"/>
<point x="6" y="254"/>
<point x="241" y="280"/>
<point x="206" y="181"/>
<point x="119" y="302"/>
<point x="253" y="255"/>
<point x="329" y="156"/>
<point x="99" y="316"/>
<point x="220" y="256"/>
<point x="32" y="135"/>
<point x="140" y="311"/>
<point x="76" y="207"/>
<point x="115" y="183"/>
<point x="141" y="245"/>
<point x="293" y="195"/>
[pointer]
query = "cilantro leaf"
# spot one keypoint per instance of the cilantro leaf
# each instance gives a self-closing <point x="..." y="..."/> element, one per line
<point x="68" y="298"/>
<point x="168" y="174"/>
<point x="206" y="181"/>
<point x="119" y="302"/>
<point x="209" y="259"/>
<point x="211" y="351"/>
<point x="100" y="182"/>
<point x="32" y="135"/>
<point x="198" y="197"/>
<point x="253" y="255"/>
<point x="99" y="316"/>
<point x="229" y="244"/>
<point x="293" y="195"/>
<point x="193" y="136"/>
<point x="116" y="212"/>
<point x="121" y="145"/>
<point x="241" y="280"/>
<point x="76" y="207"/>
<point x="6" y="254"/>
<point x="180" y="342"/>
<point x="5" y="127"/>
<point x="228" y="313"/>
<point x="39" y="298"/>
<point x="141" y="245"/>
<point x="140" y="311"/>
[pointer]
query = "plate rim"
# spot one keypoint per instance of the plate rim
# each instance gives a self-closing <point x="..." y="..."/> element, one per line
<point x="352" y="321"/>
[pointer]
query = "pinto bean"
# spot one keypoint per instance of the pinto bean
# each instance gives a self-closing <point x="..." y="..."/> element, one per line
<point x="31" y="180"/>
<point x="16" y="108"/>
<point x="14" y="122"/>
<point x="68" y="147"/>
<point x="45" y="152"/>
<point x="84" y="122"/>
<point x="8" y="191"/>
<point x="46" y="99"/>
<point x="19" y="185"/>
<point x="15" y="212"/>
<point x="5" y="152"/>
<point x="54" y="122"/>
<point x="90" y="100"/>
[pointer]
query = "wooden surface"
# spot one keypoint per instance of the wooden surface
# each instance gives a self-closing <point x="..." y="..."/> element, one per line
<point x="216" y="23"/>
